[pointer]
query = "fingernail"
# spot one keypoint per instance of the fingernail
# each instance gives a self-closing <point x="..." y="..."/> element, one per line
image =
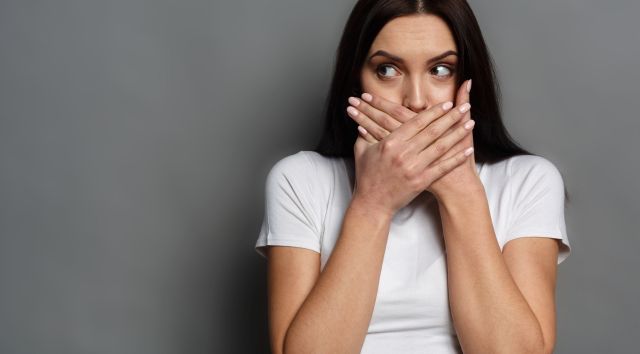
<point x="468" y="151"/>
<point x="469" y="86"/>
<point x="468" y="125"/>
<point x="362" y="130"/>
<point x="465" y="107"/>
<point x="352" y="111"/>
<point x="354" y="101"/>
<point x="447" y="105"/>
<point x="367" y="97"/>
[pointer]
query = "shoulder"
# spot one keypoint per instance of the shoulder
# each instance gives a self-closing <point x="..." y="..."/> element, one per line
<point x="302" y="163"/>
<point x="305" y="171"/>
<point x="532" y="167"/>
<point x="522" y="175"/>
<point x="290" y="165"/>
<point x="535" y="180"/>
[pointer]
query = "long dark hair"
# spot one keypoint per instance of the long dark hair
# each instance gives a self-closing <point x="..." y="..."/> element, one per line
<point x="492" y="142"/>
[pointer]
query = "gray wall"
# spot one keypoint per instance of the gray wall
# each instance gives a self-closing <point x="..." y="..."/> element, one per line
<point x="134" y="136"/>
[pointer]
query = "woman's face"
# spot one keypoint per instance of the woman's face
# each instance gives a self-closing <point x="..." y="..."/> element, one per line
<point x="412" y="61"/>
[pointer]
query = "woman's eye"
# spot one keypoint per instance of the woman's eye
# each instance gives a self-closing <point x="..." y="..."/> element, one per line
<point x="442" y="71"/>
<point x="386" y="70"/>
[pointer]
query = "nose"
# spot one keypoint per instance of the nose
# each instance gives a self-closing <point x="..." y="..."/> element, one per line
<point x="415" y="95"/>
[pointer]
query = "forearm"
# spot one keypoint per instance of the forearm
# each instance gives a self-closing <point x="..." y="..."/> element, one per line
<point x="336" y="314"/>
<point x="488" y="310"/>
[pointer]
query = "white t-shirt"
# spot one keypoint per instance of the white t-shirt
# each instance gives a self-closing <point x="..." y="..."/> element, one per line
<point x="307" y="195"/>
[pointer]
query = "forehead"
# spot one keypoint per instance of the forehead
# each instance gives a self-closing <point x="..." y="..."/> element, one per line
<point x="415" y="35"/>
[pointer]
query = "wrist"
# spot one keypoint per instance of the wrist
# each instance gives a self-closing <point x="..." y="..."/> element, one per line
<point x="460" y="194"/>
<point x="370" y="208"/>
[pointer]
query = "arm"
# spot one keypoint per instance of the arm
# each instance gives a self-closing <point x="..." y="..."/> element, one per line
<point x="335" y="316"/>
<point x="489" y="311"/>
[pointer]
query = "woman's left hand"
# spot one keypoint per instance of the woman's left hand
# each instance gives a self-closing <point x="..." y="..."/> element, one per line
<point x="379" y="116"/>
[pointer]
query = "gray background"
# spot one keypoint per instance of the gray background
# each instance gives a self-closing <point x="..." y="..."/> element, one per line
<point x="134" y="136"/>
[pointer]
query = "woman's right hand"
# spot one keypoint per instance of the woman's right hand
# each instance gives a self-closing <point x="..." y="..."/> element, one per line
<point x="393" y="171"/>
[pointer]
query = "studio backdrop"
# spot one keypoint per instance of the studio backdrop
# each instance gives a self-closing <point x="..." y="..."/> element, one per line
<point x="135" y="136"/>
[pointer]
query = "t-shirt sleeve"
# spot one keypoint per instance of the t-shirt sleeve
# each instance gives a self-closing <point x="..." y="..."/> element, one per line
<point x="292" y="217"/>
<point x="537" y="191"/>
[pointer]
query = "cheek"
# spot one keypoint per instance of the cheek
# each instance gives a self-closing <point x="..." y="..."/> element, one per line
<point x="437" y="96"/>
<point x="441" y="92"/>
<point x="375" y="87"/>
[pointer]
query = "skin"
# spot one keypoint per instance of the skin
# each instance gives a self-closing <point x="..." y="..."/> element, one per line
<point x="416" y="83"/>
<point x="500" y="303"/>
<point x="491" y="292"/>
<point x="330" y="311"/>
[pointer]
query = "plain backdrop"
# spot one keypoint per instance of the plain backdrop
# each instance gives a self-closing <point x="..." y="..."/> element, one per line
<point x="135" y="136"/>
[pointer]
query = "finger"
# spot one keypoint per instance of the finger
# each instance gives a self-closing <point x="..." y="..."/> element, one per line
<point x="377" y="116"/>
<point x="445" y="144"/>
<point x="416" y="124"/>
<point x="435" y="172"/>
<point x="430" y="135"/>
<point x="367" y="123"/>
<point x="396" y="111"/>
<point x="462" y="96"/>
<point x="364" y="134"/>
<point x="460" y="145"/>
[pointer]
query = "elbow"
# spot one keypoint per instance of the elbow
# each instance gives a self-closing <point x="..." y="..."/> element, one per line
<point x="548" y="348"/>
<point x="293" y="344"/>
<point x="542" y="344"/>
<point x="541" y="347"/>
<point x="286" y="345"/>
<point x="537" y="346"/>
<point x="547" y="344"/>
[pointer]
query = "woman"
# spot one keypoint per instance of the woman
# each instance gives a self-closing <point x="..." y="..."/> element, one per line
<point x="399" y="236"/>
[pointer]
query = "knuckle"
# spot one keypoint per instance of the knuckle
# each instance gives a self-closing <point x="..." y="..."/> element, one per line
<point x="415" y="183"/>
<point x="441" y="168"/>
<point x="387" y="145"/>
<point x="411" y="174"/>
<point x="427" y="175"/>
<point x="455" y="116"/>
<point x="432" y="131"/>
<point x="397" y="161"/>
<point x="387" y="121"/>
<point x="407" y="174"/>
<point x="379" y="132"/>
<point x="440" y="148"/>
<point x="400" y="160"/>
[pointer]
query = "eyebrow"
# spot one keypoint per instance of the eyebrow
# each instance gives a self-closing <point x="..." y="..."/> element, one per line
<point x="400" y="60"/>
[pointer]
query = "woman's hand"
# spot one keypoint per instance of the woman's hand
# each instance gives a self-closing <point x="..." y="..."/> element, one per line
<point x="379" y="117"/>
<point x="393" y="171"/>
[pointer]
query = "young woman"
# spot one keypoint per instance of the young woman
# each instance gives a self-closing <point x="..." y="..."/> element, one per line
<point x="393" y="236"/>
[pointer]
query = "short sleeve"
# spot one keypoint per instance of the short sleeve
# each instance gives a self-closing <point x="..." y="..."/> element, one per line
<point x="537" y="195"/>
<point x="291" y="215"/>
